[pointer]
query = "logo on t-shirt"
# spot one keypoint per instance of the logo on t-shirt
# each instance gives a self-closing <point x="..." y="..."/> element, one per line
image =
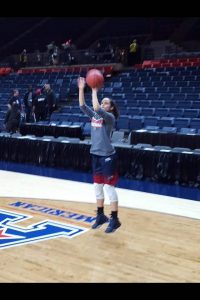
<point x="97" y="122"/>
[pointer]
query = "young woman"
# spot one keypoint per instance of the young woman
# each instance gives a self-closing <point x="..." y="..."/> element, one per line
<point x="104" y="159"/>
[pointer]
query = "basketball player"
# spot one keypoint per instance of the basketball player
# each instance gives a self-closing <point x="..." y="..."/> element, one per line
<point x="104" y="159"/>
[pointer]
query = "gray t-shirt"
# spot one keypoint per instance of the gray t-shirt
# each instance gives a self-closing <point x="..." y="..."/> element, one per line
<point x="102" y="124"/>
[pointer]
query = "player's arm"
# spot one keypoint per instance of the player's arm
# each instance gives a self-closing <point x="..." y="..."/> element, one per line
<point x="81" y="86"/>
<point x="86" y="109"/>
<point x="108" y="117"/>
<point x="95" y="101"/>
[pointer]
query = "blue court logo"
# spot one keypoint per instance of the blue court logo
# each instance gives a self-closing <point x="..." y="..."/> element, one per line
<point x="12" y="235"/>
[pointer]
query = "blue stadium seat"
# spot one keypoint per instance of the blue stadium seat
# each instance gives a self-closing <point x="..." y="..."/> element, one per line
<point x="174" y="112"/>
<point x="196" y="151"/>
<point x="192" y="96"/>
<point x="157" y="104"/>
<point x="136" y="123"/>
<point x="122" y="123"/>
<point x="187" y="90"/>
<point x="191" y="113"/>
<point x="84" y="119"/>
<point x="133" y="111"/>
<point x="123" y="111"/>
<point x="150" y="90"/>
<point x="81" y="124"/>
<point x="75" y="110"/>
<point x="141" y="97"/>
<point x="87" y="128"/>
<point x="118" y="85"/>
<point x="165" y="122"/>
<point x="180" y="150"/>
<point x="74" y="118"/>
<point x="44" y="123"/>
<point x="147" y="111"/>
<point x="143" y="103"/>
<point x="52" y="123"/>
<point x="64" y="123"/>
<point x="196" y="104"/>
<point x="125" y="84"/>
<point x="142" y="146"/>
<point x="170" y="104"/>
<point x="161" y="112"/>
<point x="162" y="90"/>
<point x="161" y="148"/>
<point x="151" y="121"/>
<point x="65" y="109"/>
<point x="197" y="89"/>
<point x="2" y="114"/>
<point x="184" y="104"/>
<point x="152" y="128"/>
<point x="174" y="90"/>
<point x="170" y="84"/>
<point x="177" y="97"/>
<point x="56" y="117"/>
<point x="188" y="130"/>
<point x="166" y="96"/>
<point x="117" y="136"/>
<point x="152" y="96"/>
<point x="194" y="84"/>
<point x="181" y="122"/>
<point x="147" y="84"/>
<point x="195" y="123"/>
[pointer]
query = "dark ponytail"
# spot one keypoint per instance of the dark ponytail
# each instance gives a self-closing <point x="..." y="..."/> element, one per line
<point x="115" y="109"/>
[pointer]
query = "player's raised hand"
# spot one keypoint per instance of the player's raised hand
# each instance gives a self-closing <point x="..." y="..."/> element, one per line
<point x="81" y="83"/>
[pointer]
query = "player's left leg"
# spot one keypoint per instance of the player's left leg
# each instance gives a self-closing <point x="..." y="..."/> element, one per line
<point x="110" y="172"/>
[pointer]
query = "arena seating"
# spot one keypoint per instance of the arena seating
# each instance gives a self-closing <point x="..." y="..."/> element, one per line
<point x="165" y="96"/>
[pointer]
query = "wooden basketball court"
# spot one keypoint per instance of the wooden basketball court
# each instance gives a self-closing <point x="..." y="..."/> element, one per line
<point x="148" y="247"/>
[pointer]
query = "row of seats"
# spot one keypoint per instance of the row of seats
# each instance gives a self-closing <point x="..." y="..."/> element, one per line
<point x="47" y="138"/>
<point x="161" y="112"/>
<point x="150" y="97"/>
<point x="132" y="110"/>
<point x="186" y="70"/>
<point x="106" y="69"/>
<point x="166" y="149"/>
<point x="160" y="90"/>
<point x="121" y="143"/>
<point x="144" y="102"/>
<point x="158" y="64"/>
<point x="136" y="122"/>
<point x="162" y="85"/>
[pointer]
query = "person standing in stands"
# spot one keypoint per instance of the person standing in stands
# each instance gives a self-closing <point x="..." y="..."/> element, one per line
<point x="104" y="158"/>
<point x="38" y="58"/>
<point x="13" y="118"/>
<point x="50" y="99"/>
<point x="15" y="98"/>
<point x="28" y="102"/>
<point x="40" y="105"/>
<point x="23" y="59"/>
<point x="133" y="52"/>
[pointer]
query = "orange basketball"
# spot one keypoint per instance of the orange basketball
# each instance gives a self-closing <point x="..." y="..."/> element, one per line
<point x="94" y="79"/>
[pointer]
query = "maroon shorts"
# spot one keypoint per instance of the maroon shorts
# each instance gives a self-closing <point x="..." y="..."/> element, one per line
<point x="105" y="169"/>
